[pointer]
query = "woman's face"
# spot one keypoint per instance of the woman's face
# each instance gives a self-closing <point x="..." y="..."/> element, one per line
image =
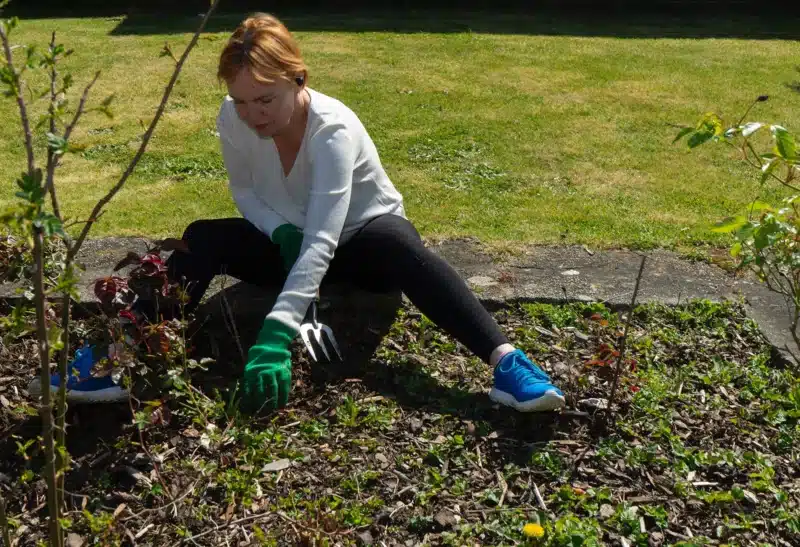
<point x="265" y="108"/>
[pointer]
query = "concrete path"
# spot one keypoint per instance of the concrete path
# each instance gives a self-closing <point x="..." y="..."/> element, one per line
<point x="544" y="274"/>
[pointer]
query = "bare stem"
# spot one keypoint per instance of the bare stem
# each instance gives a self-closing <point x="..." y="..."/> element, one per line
<point x="145" y="139"/>
<point x="773" y="176"/>
<point x="61" y="397"/>
<point x="81" y="106"/>
<point x="52" y="159"/>
<point x="23" y="111"/>
<point x="623" y="343"/>
<point x="156" y="466"/>
<point x="746" y="112"/>
<point x="45" y="409"/>
<point x="4" y="523"/>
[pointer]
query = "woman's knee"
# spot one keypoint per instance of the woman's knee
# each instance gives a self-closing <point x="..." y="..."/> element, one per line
<point x="197" y="233"/>
<point x="208" y="234"/>
<point x="395" y="232"/>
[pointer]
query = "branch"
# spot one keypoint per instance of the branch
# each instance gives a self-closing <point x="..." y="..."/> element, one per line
<point x="145" y="139"/>
<point x="81" y="105"/>
<point x="52" y="159"/>
<point x="623" y="344"/>
<point x="23" y="111"/>
<point x="46" y="408"/>
<point x="218" y="527"/>
<point x="156" y="466"/>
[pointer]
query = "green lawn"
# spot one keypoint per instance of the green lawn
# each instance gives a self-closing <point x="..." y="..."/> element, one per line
<point x="513" y="137"/>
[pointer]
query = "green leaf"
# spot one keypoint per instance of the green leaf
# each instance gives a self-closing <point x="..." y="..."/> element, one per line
<point x="30" y="53"/>
<point x="699" y="138"/>
<point x="682" y="133"/>
<point x="784" y="143"/>
<point x="736" y="249"/>
<point x="31" y="187"/>
<point x="710" y="126"/>
<point x="759" y="206"/>
<point x="762" y="238"/>
<point x="50" y="225"/>
<point x="54" y="337"/>
<point x="57" y="144"/>
<point x="7" y="76"/>
<point x="744" y="233"/>
<point x="729" y="224"/>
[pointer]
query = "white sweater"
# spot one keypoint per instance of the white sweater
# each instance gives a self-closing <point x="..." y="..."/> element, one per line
<point x="337" y="185"/>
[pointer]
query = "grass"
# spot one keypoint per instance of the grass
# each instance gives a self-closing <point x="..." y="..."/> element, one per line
<point x="539" y="135"/>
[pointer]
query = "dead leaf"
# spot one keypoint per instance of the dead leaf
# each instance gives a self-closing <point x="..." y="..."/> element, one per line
<point x="229" y="512"/>
<point x="277" y="465"/>
<point x="118" y="511"/>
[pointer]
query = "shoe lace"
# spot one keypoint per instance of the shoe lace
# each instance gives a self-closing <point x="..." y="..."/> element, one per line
<point x="526" y="372"/>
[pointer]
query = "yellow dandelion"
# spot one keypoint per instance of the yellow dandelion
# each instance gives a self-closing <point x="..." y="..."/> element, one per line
<point x="533" y="530"/>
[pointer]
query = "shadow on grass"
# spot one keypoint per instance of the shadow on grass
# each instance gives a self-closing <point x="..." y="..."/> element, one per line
<point x="546" y="23"/>
<point x="731" y="19"/>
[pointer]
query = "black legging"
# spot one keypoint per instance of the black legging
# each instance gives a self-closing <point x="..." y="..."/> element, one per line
<point x="386" y="254"/>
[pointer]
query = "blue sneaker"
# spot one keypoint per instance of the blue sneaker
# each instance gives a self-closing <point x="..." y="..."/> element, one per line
<point x="84" y="388"/>
<point x="520" y="384"/>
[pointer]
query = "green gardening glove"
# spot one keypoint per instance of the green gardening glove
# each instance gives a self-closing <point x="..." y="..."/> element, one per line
<point x="268" y="372"/>
<point x="289" y="238"/>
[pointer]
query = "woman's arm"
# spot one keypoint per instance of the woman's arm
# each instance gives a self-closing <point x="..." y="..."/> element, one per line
<point x="332" y="162"/>
<point x="240" y="177"/>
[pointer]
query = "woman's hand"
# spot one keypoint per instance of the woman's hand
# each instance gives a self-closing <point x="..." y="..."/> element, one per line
<point x="289" y="238"/>
<point x="268" y="372"/>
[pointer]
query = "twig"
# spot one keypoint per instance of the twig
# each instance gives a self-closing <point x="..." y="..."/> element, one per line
<point x="81" y="106"/>
<point x="504" y="486"/>
<point x="227" y="316"/>
<point x="23" y="111"/>
<point x="49" y="184"/>
<point x="147" y="451"/>
<point x="623" y="344"/>
<point x="217" y="527"/>
<point x="145" y="139"/>
<point x="539" y="497"/>
<point x="51" y="157"/>
<point x="293" y="522"/>
<point x="167" y="506"/>
<point x="46" y="408"/>
<point x="4" y="523"/>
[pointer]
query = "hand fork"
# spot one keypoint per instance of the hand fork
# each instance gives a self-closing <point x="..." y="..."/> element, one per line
<point x="314" y="330"/>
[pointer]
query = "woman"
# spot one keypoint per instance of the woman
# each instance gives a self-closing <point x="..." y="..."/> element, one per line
<point x="317" y="204"/>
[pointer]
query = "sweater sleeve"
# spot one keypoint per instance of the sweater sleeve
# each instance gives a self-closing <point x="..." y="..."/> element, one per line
<point x="332" y="162"/>
<point x="240" y="178"/>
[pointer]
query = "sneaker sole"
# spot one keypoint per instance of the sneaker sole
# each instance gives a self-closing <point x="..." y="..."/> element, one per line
<point x="108" y="395"/>
<point x="549" y="401"/>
